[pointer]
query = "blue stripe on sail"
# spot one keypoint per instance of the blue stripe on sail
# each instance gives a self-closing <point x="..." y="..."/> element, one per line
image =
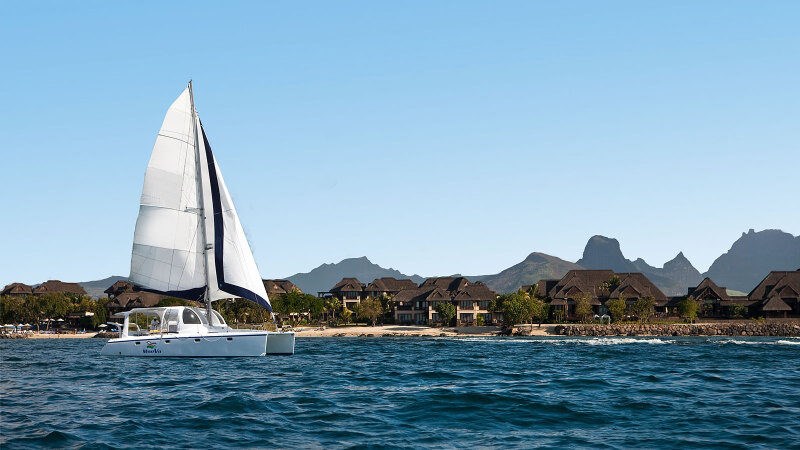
<point x="195" y="294"/>
<point x="219" y="237"/>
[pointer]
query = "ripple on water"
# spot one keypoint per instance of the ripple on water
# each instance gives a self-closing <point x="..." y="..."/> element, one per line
<point x="425" y="392"/>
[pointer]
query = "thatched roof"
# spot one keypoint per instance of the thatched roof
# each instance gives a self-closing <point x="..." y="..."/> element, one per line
<point x="446" y="283"/>
<point x="707" y="289"/>
<point x="348" y="285"/>
<point x="275" y="287"/>
<point x="139" y="299"/>
<point x="577" y="282"/>
<point x="476" y="292"/>
<point x="775" y="304"/>
<point x="777" y="282"/>
<point x="17" y="289"/>
<point x="409" y="295"/>
<point x="638" y="283"/>
<point x="390" y="284"/>
<point x="119" y="287"/>
<point x="544" y="286"/>
<point x="59" y="286"/>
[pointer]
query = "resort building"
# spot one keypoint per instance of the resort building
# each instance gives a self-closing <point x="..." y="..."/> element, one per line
<point x="50" y="286"/>
<point x="17" y="289"/>
<point x="388" y="287"/>
<point x="278" y="287"/>
<point x="598" y="286"/>
<point x="123" y="297"/>
<point x="349" y="291"/>
<point x="777" y="295"/>
<point x="59" y="287"/>
<point x="471" y="301"/>
<point x="409" y="303"/>
<point x="715" y="301"/>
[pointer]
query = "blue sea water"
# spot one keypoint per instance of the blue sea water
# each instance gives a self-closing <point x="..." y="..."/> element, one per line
<point x="410" y="392"/>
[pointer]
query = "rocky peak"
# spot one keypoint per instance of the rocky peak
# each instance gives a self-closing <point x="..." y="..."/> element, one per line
<point x="604" y="253"/>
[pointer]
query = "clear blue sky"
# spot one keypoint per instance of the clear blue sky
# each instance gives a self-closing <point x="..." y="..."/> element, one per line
<point x="433" y="137"/>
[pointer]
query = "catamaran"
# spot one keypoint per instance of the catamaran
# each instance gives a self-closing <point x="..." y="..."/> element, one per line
<point x="189" y="244"/>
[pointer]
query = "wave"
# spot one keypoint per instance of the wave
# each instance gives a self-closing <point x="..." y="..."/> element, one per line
<point x="758" y="342"/>
<point x="609" y="340"/>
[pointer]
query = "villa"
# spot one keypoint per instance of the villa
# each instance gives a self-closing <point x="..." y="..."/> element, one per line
<point x="598" y="286"/>
<point x="777" y="295"/>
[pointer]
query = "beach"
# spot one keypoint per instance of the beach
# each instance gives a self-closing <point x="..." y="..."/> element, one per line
<point x="410" y="330"/>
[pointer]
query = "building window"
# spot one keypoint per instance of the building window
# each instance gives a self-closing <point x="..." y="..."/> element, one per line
<point x="465" y="304"/>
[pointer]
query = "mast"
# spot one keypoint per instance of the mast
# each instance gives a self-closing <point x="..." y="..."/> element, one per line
<point x="199" y="178"/>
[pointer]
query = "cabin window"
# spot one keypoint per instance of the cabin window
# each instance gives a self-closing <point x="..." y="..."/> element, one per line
<point x="216" y="319"/>
<point x="190" y="318"/>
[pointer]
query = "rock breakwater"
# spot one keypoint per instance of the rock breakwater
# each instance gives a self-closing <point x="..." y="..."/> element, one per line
<point x="707" y="329"/>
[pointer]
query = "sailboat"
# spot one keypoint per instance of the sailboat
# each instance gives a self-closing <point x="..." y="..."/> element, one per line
<point x="189" y="244"/>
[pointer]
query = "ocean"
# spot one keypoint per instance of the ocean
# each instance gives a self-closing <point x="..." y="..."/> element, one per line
<point x="646" y="392"/>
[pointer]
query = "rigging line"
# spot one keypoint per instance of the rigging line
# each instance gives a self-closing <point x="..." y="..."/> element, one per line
<point x="185" y="210"/>
<point x="183" y="270"/>
<point x="172" y="137"/>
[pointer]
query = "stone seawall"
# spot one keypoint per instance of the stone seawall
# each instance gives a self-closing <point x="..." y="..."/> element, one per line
<point x="708" y="329"/>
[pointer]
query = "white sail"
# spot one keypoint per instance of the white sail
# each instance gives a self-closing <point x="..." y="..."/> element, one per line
<point x="232" y="268"/>
<point x="168" y="243"/>
<point x="183" y="190"/>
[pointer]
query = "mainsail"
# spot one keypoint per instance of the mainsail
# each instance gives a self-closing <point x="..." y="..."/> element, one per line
<point x="189" y="242"/>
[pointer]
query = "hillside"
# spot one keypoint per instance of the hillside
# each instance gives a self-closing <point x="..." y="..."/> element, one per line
<point x="326" y="276"/>
<point x="95" y="288"/>
<point x="535" y="267"/>
<point x="753" y="256"/>
<point x="673" y="278"/>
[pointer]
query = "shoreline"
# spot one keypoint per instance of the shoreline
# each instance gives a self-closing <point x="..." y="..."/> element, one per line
<point x="789" y="328"/>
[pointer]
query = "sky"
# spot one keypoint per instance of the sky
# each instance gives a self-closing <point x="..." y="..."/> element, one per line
<point x="433" y="137"/>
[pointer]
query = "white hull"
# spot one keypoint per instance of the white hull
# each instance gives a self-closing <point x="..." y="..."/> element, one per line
<point x="224" y="344"/>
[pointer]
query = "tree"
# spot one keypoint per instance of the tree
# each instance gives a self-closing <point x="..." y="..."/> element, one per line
<point x="517" y="308"/>
<point x="611" y="284"/>
<point x="52" y="305"/>
<point x="583" y="308"/>
<point x="688" y="308"/>
<point x="346" y="315"/>
<point x="616" y="308"/>
<point x="332" y="306"/>
<point x="369" y="309"/>
<point x="446" y="311"/>
<point x="643" y="308"/>
<point x="539" y="309"/>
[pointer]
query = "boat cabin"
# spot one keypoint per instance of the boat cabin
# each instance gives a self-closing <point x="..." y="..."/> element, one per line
<point x="171" y="319"/>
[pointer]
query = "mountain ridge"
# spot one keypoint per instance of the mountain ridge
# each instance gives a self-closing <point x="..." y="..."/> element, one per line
<point x="743" y="266"/>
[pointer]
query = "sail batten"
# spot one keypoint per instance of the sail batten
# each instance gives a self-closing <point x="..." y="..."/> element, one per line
<point x="188" y="239"/>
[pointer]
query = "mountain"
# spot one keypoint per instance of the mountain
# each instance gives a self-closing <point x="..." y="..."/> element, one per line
<point x="96" y="288"/>
<point x="326" y="276"/>
<point x="535" y="267"/>
<point x="753" y="256"/>
<point x="604" y="253"/>
<point x="673" y="279"/>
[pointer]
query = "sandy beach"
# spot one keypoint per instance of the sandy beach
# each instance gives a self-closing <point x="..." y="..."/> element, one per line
<point x="89" y="334"/>
<point x="406" y="330"/>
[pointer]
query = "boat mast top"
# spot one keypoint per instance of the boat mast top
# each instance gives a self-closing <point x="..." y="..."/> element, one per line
<point x="199" y="178"/>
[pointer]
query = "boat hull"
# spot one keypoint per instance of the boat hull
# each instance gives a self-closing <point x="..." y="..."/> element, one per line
<point x="213" y="345"/>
